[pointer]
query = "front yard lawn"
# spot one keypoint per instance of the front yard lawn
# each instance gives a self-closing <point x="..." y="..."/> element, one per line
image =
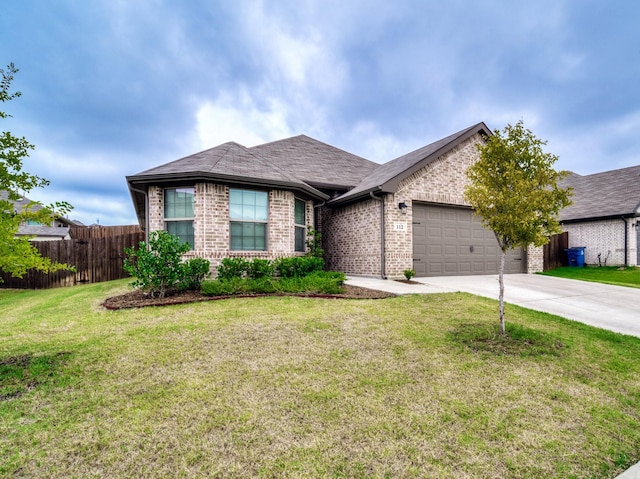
<point x="616" y="275"/>
<point x="411" y="386"/>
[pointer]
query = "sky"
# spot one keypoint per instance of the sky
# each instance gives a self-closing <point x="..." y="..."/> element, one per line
<point x="113" y="87"/>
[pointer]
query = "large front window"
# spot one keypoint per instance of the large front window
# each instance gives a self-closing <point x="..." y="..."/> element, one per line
<point x="249" y="213"/>
<point x="178" y="213"/>
<point x="300" y="219"/>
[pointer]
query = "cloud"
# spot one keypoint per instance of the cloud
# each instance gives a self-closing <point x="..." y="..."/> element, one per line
<point x="236" y="117"/>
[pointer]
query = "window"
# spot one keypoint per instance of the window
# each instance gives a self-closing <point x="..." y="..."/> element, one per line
<point x="300" y="224"/>
<point x="178" y="213"/>
<point x="248" y="212"/>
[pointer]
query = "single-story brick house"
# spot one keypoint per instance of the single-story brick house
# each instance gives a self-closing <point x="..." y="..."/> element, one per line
<point x="375" y="219"/>
<point x="605" y="215"/>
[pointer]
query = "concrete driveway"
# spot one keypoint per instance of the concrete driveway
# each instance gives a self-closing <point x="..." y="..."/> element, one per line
<point x="615" y="308"/>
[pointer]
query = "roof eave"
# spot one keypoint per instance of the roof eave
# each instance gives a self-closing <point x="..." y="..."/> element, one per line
<point x="362" y="195"/>
<point x="392" y="184"/>
<point x="635" y="214"/>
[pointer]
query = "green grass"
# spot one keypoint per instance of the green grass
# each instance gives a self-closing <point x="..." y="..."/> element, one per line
<point x="629" y="276"/>
<point x="412" y="386"/>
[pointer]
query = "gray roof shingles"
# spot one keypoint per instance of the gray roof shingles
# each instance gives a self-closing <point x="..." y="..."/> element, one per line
<point x="387" y="176"/>
<point x="299" y="162"/>
<point x="315" y="162"/>
<point x="613" y="193"/>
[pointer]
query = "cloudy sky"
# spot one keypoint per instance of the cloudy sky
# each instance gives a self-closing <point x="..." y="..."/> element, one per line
<point x="113" y="87"/>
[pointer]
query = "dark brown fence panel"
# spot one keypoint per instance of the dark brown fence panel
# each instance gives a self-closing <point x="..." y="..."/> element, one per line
<point x="96" y="255"/>
<point x="88" y="232"/>
<point x="554" y="251"/>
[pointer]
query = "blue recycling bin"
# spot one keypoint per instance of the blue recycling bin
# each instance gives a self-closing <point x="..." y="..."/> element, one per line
<point x="576" y="256"/>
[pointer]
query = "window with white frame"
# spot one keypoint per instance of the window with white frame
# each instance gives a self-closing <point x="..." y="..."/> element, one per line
<point x="249" y="216"/>
<point x="300" y="220"/>
<point x="178" y="213"/>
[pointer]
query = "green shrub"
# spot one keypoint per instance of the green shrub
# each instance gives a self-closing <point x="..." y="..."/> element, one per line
<point x="157" y="266"/>
<point x="260" y="268"/>
<point x="194" y="271"/>
<point x="225" y="287"/>
<point x="409" y="273"/>
<point x="314" y="241"/>
<point x="298" y="266"/>
<point x="233" y="268"/>
<point x="264" y="285"/>
<point x="321" y="282"/>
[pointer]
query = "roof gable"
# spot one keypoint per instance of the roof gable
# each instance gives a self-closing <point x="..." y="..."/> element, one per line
<point x="613" y="193"/>
<point x="388" y="175"/>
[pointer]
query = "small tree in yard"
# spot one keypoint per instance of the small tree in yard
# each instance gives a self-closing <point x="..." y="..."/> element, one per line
<point x="158" y="266"/>
<point x="514" y="189"/>
<point x="17" y="254"/>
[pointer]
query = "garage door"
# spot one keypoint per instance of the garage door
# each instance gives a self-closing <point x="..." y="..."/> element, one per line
<point x="449" y="241"/>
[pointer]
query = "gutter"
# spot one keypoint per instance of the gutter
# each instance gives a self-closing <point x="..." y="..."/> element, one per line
<point x="315" y="215"/>
<point x="146" y="210"/>
<point x="626" y="241"/>
<point x="383" y="273"/>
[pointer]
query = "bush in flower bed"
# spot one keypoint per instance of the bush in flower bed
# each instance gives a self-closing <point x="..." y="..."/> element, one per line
<point x="318" y="282"/>
<point x="290" y="267"/>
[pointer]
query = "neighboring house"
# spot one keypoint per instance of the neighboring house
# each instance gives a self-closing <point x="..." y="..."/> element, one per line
<point x="375" y="220"/>
<point x="605" y="215"/>
<point x="59" y="230"/>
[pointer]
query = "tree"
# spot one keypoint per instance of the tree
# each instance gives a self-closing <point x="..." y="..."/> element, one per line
<point x="514" y="189"/>
<point x="17" y="255"/>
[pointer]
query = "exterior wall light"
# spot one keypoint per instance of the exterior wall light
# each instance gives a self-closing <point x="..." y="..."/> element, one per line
<point x="403" y="207"/>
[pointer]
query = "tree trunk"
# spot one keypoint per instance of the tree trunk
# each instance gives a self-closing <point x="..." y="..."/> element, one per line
<point x="501" y="297"/>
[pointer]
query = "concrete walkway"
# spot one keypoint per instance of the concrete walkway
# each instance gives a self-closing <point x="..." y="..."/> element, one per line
<point x="615" y="308"/>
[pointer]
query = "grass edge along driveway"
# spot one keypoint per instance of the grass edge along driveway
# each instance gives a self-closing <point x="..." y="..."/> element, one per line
<point x="413" y="386"/>
<point x="615" y="275"/>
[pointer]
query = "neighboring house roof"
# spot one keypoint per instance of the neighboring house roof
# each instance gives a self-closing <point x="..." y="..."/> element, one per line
<point x="25" y="202"/>
<point x="45" y="232"/>
<point x="610" y="194"/>
<point x="387" y="177"/>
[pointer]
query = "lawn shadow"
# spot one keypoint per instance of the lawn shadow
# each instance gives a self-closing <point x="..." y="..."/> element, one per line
<point x="517" y="340"/>
<point x="21" y="374"/>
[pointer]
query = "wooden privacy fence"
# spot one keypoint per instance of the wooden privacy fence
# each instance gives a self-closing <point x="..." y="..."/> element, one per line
<point x="554" y="252"/>
<point x="97" y="254"/>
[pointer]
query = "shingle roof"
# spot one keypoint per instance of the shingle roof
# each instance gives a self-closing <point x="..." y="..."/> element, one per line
<point x="614" y="193"/>
<point x="227" y="160"/>
<point x="61" y="232"/>
<point x="387" y="176"/>
<point x="315" y="162"/>
<point x="300" y="163"/>
<point x="34" y="206"/>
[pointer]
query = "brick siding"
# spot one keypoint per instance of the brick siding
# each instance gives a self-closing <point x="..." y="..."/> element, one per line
<point x="352" y="233"/>
<point x="606" y="239"/>
<point x="211" y="223"/>
<point x="351" y="238"/>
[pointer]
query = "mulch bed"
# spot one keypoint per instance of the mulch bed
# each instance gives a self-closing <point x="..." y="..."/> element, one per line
<point x="138" y="299"/>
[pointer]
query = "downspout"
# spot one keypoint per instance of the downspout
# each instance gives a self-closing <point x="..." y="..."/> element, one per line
<point x="146" y="212"/>
<point x="315" y="216"/>
<point x="383" y="272"/>
<point x="626" y="241"/>
<point x="315" y="226"/>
